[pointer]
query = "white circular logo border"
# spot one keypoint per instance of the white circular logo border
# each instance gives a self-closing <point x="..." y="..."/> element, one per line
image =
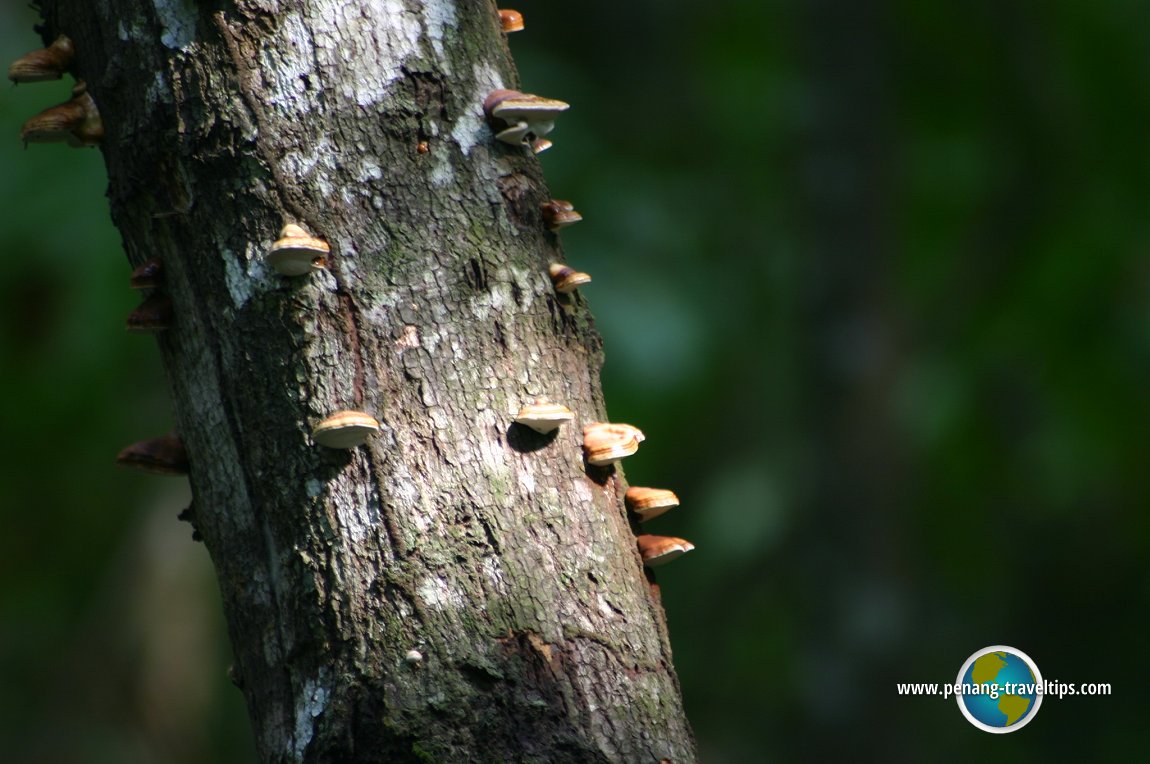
<point x="1037" y="695"/>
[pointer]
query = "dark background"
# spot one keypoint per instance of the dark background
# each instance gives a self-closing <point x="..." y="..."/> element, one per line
<point x="872" y="277"/>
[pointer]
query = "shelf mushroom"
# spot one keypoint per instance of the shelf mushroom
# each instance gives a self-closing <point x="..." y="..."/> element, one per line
<point x="519" y="118"/>
<point x="648" y="503"/>
<point x="566" y="279"/>
<point x="559" y="213"/>
<point x="44" y="64"/>
<point x="543" y="416"/>
<point x="297" y="252"/>
<point x="152" y="315"/>
<point x="345" y="429"/>
<point x="511" y="21"/>
<point x="147" y="275"/>
<point x="605" y="443"/>
<point x="164" y="455"/>
<point x="659" y="550"/>
<point x="75" y="122"/>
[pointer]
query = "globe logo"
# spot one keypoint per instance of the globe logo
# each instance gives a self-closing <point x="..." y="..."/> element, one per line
<point x="1001" y="689"/>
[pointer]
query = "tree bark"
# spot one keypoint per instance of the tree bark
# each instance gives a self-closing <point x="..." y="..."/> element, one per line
<point x="493" y="552"/>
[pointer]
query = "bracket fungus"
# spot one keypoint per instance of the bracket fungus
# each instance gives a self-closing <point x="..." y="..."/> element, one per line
<point x="539" y="145"/>
<point x="297" y="252"/>
<point x="44" y="64"/>
<point x="152" y="315"/>
<point x="511" y="21"/>
<point x="558" y="213"/>
<point x="566" y="279"/>
<point x="75" y="122"/>
<point x="164" y="455"/>
<point x="659" y="550"/>
<point x="147" y="275"/>
<point x="345" y="429"/>
<point x="605" y="443"/>
<point x="520" y="118"/>
<point x="648" y="503"/>
<point x="543" y="416"/>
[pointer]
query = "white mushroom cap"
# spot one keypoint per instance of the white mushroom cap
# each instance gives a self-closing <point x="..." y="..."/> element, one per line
<point x="345" y="429"/>
<point x="514" y="134"/>
<point x="543" y="416"/>
<point x="297" y="252"/>
<point x="649" y="503"/>
<point x="540" y="127"/>
<point x="517" y="117"/>
<point x="531" y="108"/>
<point x="606" y="443"/>
<point x="659" y="550"/>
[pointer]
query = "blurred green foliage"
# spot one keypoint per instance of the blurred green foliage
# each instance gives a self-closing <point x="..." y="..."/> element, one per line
<point x="872" y="277"/>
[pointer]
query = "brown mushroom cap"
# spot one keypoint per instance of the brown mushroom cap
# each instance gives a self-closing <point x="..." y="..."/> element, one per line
<point x="659" y="550"/>
<point x="558" y="213"/>
<point x="53" y="125"/>
<point x="75" y="122"/>
<point x="147" y="275"/>
<point x="496" y="97"/>
<point x="297" y="252"/>
<point x="511" y="21"/>
<point x="605" y="443"/>
<point x="164" y="455"/>
<point x="345" y="429"/>
<point x="152" y="315"/>
<point x="566" y="279"/>
<point x="44" y="64"/>
<point x="649" y="503"/>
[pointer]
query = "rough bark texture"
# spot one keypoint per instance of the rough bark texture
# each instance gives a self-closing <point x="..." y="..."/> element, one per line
<point x="492" y="551"/>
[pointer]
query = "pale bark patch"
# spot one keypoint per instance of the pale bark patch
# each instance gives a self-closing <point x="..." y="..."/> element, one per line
<point x="178" y="18"/>
<point x="311" y="704"/>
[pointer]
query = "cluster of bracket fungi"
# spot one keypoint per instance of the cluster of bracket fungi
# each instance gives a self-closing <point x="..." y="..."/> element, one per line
<point x="519" y="119"/>
<point x="523" y="120"/>
<point x="77" y="120"/>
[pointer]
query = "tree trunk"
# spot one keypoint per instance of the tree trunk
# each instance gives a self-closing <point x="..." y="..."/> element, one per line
<point x="494" y="553"/>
